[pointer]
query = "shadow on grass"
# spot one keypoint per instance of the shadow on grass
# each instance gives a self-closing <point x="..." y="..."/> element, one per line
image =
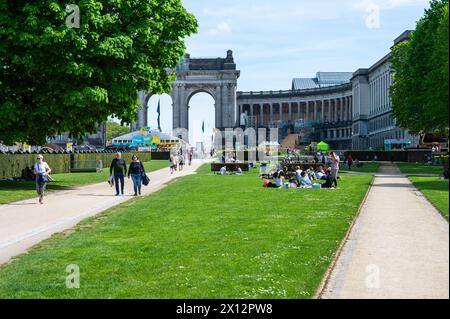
<point x="29" y="185"/>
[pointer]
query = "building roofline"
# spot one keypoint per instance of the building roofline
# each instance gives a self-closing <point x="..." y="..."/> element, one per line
<point x="405" y="36"/>
<point x="292" y="93"/>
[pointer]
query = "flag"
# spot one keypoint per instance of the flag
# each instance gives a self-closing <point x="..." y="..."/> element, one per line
<point x="203" y="127"/>
<point x="159" y="115"/>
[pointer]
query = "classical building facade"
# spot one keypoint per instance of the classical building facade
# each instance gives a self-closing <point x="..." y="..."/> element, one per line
<point x="373" y="123"/>
<point x="321" y="108"/>
<point x="346" y="110"/>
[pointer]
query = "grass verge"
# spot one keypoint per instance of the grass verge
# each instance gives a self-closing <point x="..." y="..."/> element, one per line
<point x="366" y="168"/>
<point x="414" y="168"/>
<point x="436" y="190"/>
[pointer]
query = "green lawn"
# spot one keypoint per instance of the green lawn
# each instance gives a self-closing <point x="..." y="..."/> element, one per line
<point x="435" y="190"/>
<point x="413" y="168"/>
<point x="204" y="236"/>
<point x="366" y="168"/>
<point x="11" y="191"/>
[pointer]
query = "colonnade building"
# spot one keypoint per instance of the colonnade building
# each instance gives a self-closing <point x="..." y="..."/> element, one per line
<point x="346" y="110"/>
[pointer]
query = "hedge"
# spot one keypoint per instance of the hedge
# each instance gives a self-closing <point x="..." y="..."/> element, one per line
<point x="161" y="156"/>
<point x="384" y="156"/>
<point x="11" y="165"/>
<point x="90" y="160"/>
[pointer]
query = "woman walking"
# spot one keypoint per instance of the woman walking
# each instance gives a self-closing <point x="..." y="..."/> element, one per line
<point x="41" y="170"/>
<point x="136" y="171"/>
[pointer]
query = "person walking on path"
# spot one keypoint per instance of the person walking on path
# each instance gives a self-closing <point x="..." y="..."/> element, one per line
<point x="171" y="165"/>
<point x="350" y="162"/>
<point x="119" y="170"/>
<point x="334" y="165"/>
<point x="181" y="163"/>
<point x="190" y="158"/>
<point x="42" y="171"/>
<point x="136" y="171"/>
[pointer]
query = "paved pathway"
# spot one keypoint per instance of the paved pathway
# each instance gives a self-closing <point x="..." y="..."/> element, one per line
<point x="26" y="223"/>
<point x="398" y="248"/>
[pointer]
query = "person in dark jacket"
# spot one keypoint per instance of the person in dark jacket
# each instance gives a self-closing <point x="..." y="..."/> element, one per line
<point x="135" y="172"/>
<point x="331" y="181"/>
<point x="119" y="170"/>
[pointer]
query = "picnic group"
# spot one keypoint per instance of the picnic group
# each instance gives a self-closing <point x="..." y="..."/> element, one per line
<point x="321" y="172"/>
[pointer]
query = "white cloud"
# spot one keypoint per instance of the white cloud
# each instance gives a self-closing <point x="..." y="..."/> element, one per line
<point x="220" y="29"/>
<point x="387" y="4"/>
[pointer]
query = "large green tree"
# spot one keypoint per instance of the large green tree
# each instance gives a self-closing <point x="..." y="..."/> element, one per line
<point x="57" y="77"/>
<point x="421" y="74"/>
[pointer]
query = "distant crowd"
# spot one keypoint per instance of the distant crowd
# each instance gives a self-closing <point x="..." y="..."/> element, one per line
<point x="179" y="160"/>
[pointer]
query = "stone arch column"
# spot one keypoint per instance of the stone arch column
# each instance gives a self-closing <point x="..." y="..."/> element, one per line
<point x="142" y="111"/>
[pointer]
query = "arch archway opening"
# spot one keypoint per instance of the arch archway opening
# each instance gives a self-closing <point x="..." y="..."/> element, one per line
<point x="202" y="120"/>
<point x="166" y="112"/>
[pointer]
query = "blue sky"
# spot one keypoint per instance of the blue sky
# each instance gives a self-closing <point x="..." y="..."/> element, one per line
<point x="275" y="41"/>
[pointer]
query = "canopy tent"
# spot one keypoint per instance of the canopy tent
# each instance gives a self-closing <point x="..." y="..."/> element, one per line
<point x="322" y="146"/>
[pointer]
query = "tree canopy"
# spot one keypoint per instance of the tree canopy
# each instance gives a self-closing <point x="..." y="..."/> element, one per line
<point x="421" y="74"/>
<point x="114" y="129"/>
<point x="57" y="76"/>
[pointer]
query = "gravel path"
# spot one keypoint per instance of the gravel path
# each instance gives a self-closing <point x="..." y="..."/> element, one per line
<point x="398" y="248"/>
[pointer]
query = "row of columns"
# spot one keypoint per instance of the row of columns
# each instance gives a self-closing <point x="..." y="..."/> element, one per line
<point x="337" y="134"/>
<point x="380" y="99"/>
<point x="325" y="110"/>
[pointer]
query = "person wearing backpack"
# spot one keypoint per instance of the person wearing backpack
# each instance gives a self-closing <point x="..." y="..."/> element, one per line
<point x="136" y="172"/>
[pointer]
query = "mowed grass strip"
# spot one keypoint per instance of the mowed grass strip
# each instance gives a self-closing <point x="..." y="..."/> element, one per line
<point x="415" y="168"/>
<point x="366" y="168"/>
<point x="436" y="190"/>
<point x="204" y="236"/>
<point x="13" y="191"/>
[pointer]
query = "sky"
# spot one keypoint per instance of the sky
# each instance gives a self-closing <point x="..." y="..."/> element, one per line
<point x="276" y="40"/>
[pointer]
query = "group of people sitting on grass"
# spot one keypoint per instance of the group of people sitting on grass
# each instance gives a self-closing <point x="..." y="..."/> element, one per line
<point x="322" y="177"/>
<point x="223" y="171"/>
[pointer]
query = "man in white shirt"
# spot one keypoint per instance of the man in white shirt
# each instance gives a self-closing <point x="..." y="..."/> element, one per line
<point x="223" y="171"/>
